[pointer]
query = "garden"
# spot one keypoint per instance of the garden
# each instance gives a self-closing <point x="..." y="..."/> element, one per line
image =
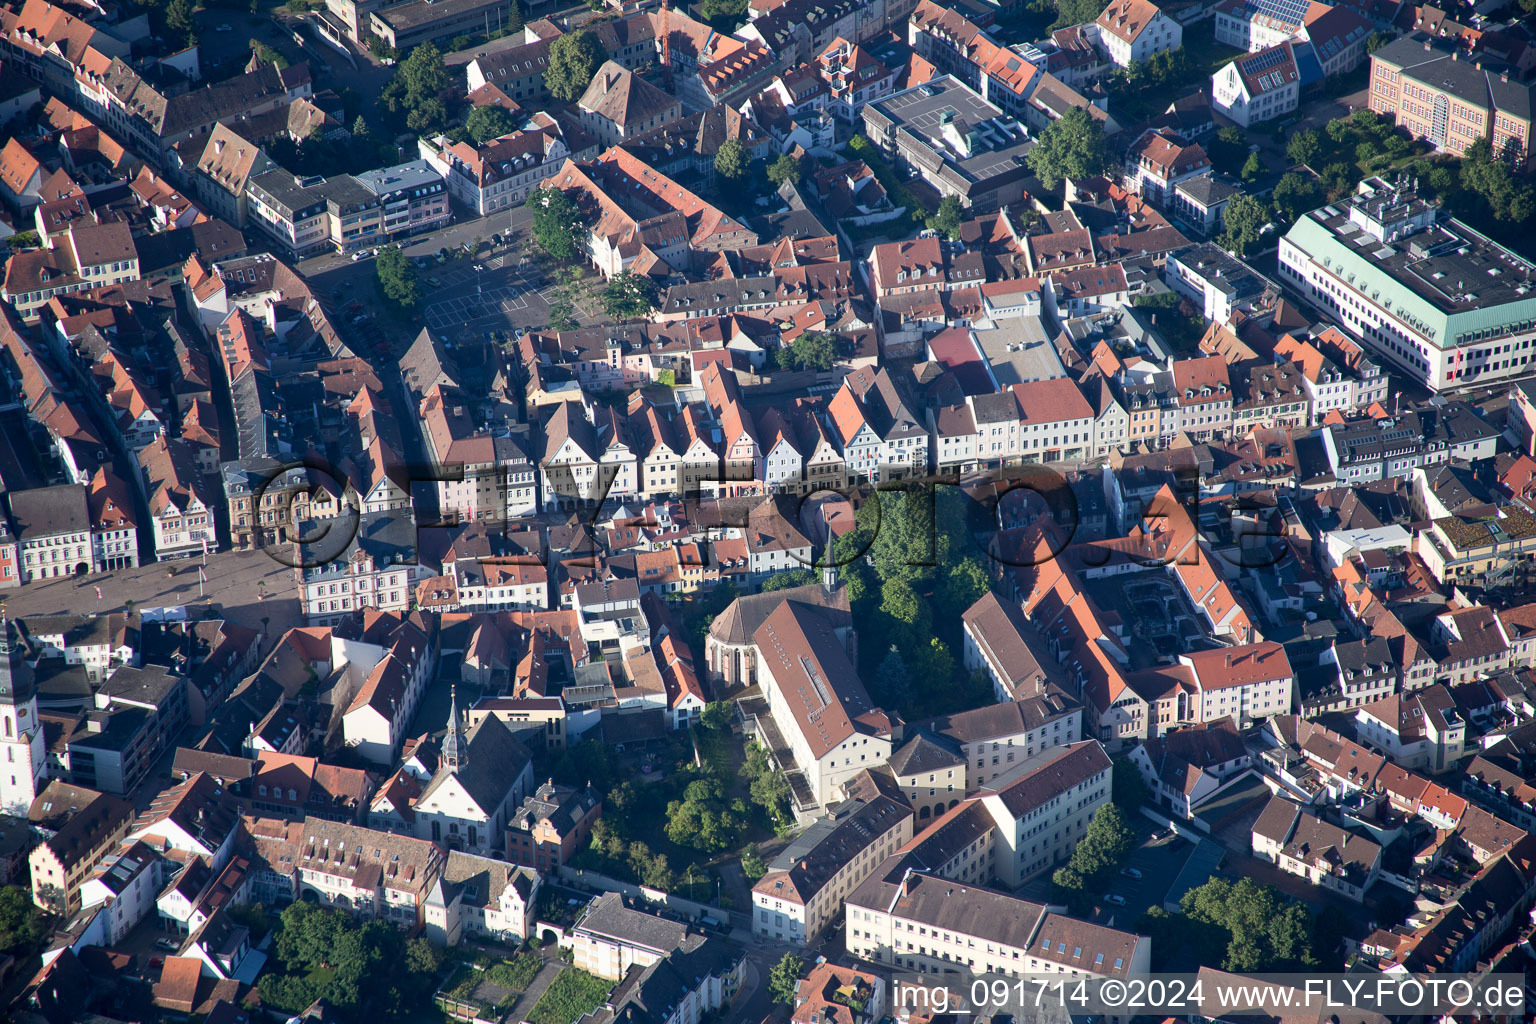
<point x="571" y="996"/>
<point x="478" y="991"/>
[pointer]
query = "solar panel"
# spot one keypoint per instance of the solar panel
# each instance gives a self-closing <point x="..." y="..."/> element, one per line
<point x="1292" y="11"/>
<point x="1261" y="62"/>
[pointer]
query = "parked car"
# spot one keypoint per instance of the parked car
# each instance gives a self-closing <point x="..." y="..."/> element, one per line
<point x="1114" y="898"/>
<point x="157" y="962"/>
<point x="422" y="262"/>
<point x="167" y="945"/>
<point x="434" y="282"/>
<point x="1132" y="873"/>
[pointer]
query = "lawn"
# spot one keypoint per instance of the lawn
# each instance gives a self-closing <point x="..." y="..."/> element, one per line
<point x="572" y="995"/>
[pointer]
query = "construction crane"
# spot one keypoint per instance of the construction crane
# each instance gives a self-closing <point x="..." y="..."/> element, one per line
<point x="666" y="43"/>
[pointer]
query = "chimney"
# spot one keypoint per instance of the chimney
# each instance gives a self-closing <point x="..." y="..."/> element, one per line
<point x="218" y="146"/>
<point x="907" y="883"/>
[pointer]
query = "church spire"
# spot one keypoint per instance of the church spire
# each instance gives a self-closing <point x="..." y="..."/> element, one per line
<point x="455" y="750"/>
<point x="15" y="673"/>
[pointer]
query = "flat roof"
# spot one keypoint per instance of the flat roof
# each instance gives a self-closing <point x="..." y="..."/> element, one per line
<point x="1019" y="350"/>
<point x="414" y="174"/>
<point x="924" y="110"/>
<point x="420" y="12"/>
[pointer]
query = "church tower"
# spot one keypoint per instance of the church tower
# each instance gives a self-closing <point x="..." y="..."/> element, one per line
<point x="22" y="764"/>
<point x="455" y="750"/>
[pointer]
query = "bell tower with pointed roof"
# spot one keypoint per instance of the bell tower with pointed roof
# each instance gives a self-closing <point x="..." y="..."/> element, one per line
<point x="455" y="750"/>
<point x="22" y="765"/>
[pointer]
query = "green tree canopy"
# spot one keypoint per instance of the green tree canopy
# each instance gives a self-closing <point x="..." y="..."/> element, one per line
<point x="768" y="787"/>
<point x="397" y="277"/>
<point x="1295" y="195"/>
<point x="891" y="684"/>
<point x="418" y="89"/>
<point x="1266" y="932"/>
<point x="1245" y="218"/>
<point x="1303" y="146"/>
<point x="487" y="123"/>
<point x="812" y="350"/>
<point x="178" y="18"/>
<point x="752" y="863"/>
<point x="783" y="978"/>
<point x="724" y="15"/>
<point x="1128" y="789"/>
<point x="784" y="579"/>
<point x="573" y="59"/>
<point x="557" y="222"/>
<point x="946" y="220"/>
<point x="785" y="168"/>
<point x="731" y="161"/>
<point x="21" y="925"/>
<point x="629" y="296"/>
<point x="1070" y="147"/>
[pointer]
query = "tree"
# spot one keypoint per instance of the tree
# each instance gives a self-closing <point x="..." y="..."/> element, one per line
<point x="1379" y="39"/>
<point x="768" y="787"/>
<point x="784" y="579"/>
<point x="629" y="296"/>
<point x="716" y="716"/>
<point x="557" y="222"/>
<point x="1294" y="195"/>
<point x="961" y="587"/>
<point x="397" y="277"/>
<point x="812" y="350"/>
<point x="1244" y="218"/>
<point x="487" y="123"/>
<point x="21" y="925"/>
<point x="891" y="681"/>
<point x="1252" y="167"/>
<point x="1077" y="12"/>
<point x="724" y="15"/>
<point x="946" y="220"/>
<point x="785" y="168"/>
<point x="573" y="59"/>
<point x="1104" y="845"/>
<point x="417" y="89"/>
<point x="752" y="863"/>
<point x="178" y="18"/>
<point x="1257" y="928"/>
<point x="1127" y="788"/>
<point x="783" y="978"/>
<point x="899" y="601"/>
<point x="731" y="161"/>
<point x="1071" y="147"/>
